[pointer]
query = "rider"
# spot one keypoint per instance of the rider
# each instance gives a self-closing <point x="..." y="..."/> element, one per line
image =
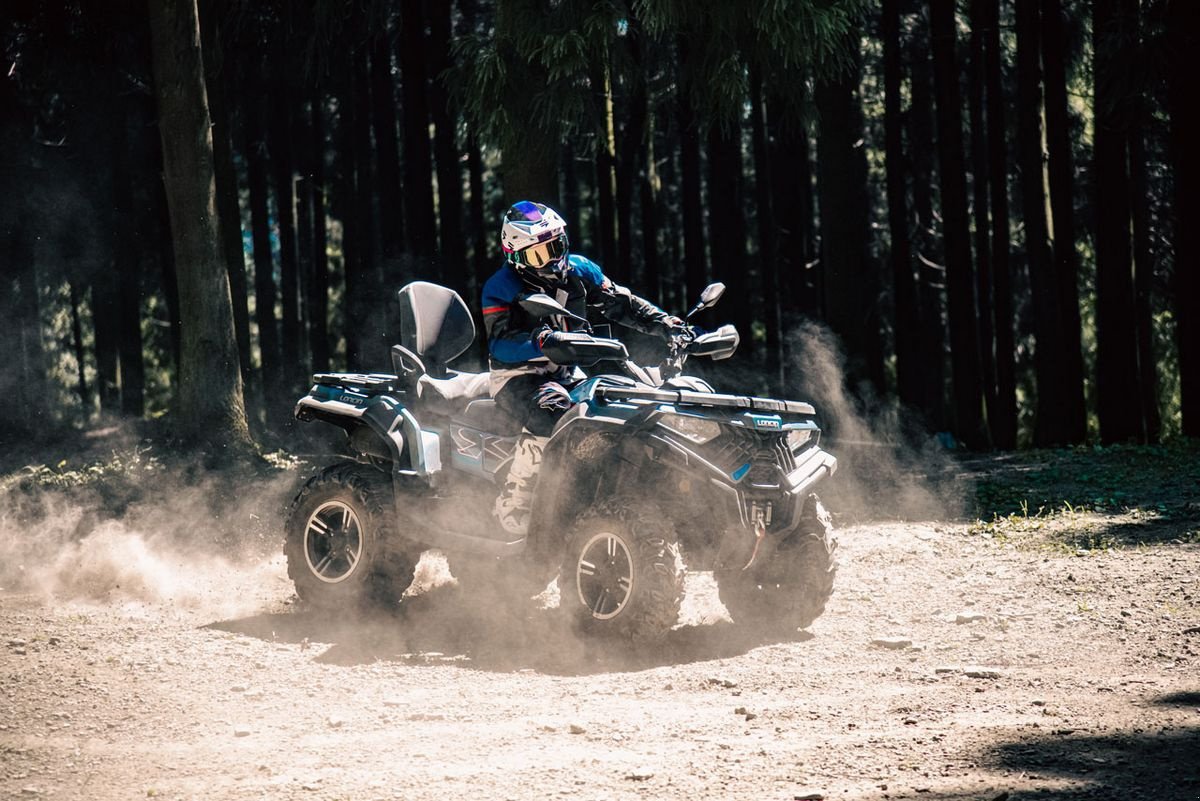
<point x="526" y="384"/>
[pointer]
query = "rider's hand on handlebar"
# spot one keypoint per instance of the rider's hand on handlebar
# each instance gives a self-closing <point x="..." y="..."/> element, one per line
<point x="539" y="335"/>
<point x="679" y="331"/>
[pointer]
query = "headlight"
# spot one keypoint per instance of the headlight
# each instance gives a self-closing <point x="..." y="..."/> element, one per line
<point x="696" y="429"/>
<point x="798" y="438"/>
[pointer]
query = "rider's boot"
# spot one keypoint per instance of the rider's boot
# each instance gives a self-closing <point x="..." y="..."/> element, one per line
<point x="516" y="501"/>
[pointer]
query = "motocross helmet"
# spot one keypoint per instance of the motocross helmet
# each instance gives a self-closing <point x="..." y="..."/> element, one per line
<point x="534" y="240"/>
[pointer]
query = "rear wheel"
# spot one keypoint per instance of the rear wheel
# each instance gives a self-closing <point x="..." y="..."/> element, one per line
<point x="786" y="589"/>
<point x="341" y="546"/>
<point x="622" y="574"/>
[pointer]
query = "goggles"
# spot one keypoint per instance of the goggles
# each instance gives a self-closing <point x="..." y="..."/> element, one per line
<point x="543" y="255"/>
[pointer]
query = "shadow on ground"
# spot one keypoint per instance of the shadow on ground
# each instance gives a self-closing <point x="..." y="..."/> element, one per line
<point x="445" y="625"/>
<point x="1160" y="764"/>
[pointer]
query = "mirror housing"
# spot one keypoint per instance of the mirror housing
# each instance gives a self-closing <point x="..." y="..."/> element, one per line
<point x="540" y="305"/>
<point x="708" y="298"/>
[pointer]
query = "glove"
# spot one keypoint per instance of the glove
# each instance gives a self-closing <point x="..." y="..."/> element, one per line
<point x="679" y="330"/>
<point x="540" y="333"/>
<point x="553" y="397"/>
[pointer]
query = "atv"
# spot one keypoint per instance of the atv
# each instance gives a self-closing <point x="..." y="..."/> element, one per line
<point x="649" y="469"/>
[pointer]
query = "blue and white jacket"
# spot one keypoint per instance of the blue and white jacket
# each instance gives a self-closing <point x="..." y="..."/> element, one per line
<point x="511" y="347"/>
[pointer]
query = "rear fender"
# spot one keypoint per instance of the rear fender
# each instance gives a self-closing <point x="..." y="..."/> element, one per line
<point x="383" y="422"/>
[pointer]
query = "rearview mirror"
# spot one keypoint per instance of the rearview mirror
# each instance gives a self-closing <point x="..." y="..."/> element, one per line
<point x="540" y="305"/>
<point x="709" y="297"/>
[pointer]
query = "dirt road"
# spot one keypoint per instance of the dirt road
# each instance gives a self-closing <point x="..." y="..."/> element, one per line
<point x="949" y="664"/>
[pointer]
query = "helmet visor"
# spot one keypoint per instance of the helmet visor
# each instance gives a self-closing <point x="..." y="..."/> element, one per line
<point x="543" y="254"/>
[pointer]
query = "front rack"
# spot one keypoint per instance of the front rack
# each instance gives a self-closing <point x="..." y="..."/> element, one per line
<point x="690" y="398"/>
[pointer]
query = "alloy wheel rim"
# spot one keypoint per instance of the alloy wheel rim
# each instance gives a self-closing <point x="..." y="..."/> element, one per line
<point x="604" y="575"/>
<point x="333" y="542"/>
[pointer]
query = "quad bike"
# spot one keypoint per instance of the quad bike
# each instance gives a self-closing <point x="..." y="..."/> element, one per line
<point x="647" y="462"/>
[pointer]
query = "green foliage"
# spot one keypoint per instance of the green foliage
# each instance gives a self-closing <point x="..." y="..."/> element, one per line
<point x="1092" y="498"/>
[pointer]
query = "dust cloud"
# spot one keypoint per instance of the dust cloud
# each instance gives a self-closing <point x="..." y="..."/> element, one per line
<point x="889" y="466"/>
<point x="148" y="534"/>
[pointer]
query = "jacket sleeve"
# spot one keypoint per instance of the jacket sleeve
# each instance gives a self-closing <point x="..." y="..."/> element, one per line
<point x="620" y="305"/>
<point x="507" y="342"/>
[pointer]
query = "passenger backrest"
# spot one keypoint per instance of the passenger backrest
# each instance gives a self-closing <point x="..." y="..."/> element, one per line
<point x="435" y="324"/>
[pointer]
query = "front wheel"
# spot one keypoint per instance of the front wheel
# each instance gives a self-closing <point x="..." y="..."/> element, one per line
<point x="622" y="574"/>
<point x="340" y="546"/>
<point x="786" y="589"/>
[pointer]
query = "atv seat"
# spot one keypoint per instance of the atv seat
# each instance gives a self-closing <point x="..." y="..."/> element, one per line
<point x="455" y="391"/>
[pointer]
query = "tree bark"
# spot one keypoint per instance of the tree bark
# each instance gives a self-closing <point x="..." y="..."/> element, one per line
<point x="964" y="341"/>
<point x="257" y="187"/>
<point x="452" y="255"/>
<point x="1004" y="423"/>
<point x="728" y="239"/>
<point x="768" y="242"/>
<point x="1062" y="202"/>
<point x="387" y="179"/>
<point x="979" y="186"/>
<point x="694" y="259"/>
<point x="218" y="67"/>
<point x="1117" y="390"/>
<point x="420" y="222"/>
<point x="1183" y="38"/>
<point x="318" y="287"/>
<point x="209" y="402"/>
<point x="930" y="273"/>
<point x="606" y="223"/>
<point x="1050" y="427"/>
<point x="906" y="319"/>
<point x="279" y="135"/>
<point x="632" y="154"/>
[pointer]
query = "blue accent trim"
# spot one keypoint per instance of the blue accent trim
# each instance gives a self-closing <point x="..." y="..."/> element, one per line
<point x="587" y="269"/>
<point x="740" y="472"/>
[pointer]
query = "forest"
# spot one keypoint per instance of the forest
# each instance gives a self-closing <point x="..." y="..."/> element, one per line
<point x="989" y="203"/>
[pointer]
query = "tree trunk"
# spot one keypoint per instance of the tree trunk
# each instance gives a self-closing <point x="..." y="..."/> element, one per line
<point x="452" y="254"/>
<point x="1117" y="390"/>
<point x="279" y="134"/>
<point x="1050" y="427"/>
<point x="1062" y="202"/>
<point x="728" y="239"/>
<point x="906" y="320"/>
<point x="218" y="67"/>
<point x="1183" y="38"/>
<point x="396" y="272"/>
<point x="483" y="265"/>
<point x="791" y="189"/>
<point x="964" y="340"/>
<point x="106" y="322"/>
<point x="1004" y="424"/>
<point x="371" y="304"/>
<point x="25" y="380"/>
<point x="346" y="208"/>
<point x="209" y="401"/>
<point x="694" y="261"/>
<point x="260" y="237"/>
<point x="318" y="287"/>
<point x="633" y="135"/>
<point x="979" y="185"/>
<point x="81" y="383"/>
<point x="931" y="275"/>
<point x="606" y="224"/>
<point x="420" y="222"/>
<point x="1143" y="274"/>
<point x="768" y="242"/>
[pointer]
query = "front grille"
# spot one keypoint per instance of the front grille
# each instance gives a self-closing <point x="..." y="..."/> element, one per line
<point x="766" y="453"/>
